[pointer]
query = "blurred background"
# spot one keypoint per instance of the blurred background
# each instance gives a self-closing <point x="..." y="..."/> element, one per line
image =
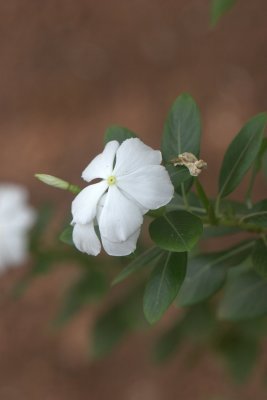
<point x="69" y="69"/>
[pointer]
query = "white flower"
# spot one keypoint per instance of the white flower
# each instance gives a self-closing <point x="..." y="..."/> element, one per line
<point x="16" y="218"/>
<point x="132" y="182"/>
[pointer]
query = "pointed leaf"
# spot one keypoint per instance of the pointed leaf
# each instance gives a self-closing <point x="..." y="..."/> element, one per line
<point x="91" y="286"/>
<point x="219" y="8"/>
<point x="176" y="231"/>
<point x="259" y="258"/>
<point x="140" y="262"/>
<point x="182" y="131"/>
<point x="240" y="354"/>
<point x="66" y="236"/>
<point x="244" y="298"/>
<point x="241" y="153"/>
<point x="206" y="273"/>
<point x="257" y="215"/>
<point x="118" y="133"/>
<point x="164" y="284"/>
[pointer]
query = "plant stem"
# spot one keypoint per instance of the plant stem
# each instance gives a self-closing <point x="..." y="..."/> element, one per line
<point x="217" y="205"/>
<point x="206" y="202"/>
<point x="186" y="203"/>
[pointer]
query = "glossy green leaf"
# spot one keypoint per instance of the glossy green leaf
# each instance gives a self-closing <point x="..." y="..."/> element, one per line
<point x="143" y="260"/>
<point x="118" y="133"/>
<point x="182" y="131"/>
<point x="219" y="8"/>
<point x="177" y="203"/>
<point x="176" y="231"/>
<point x="241" y="153"/>
<point x="244" y="297"/>
<point x="164" y="284"/>
<point x="66" y="236"/>
<point x="259" y="258"/>
<point x="260" y="157"/>
<point x="206" y="273"/>
<point x="91" y="286"/>
<point x="179" y="175"/>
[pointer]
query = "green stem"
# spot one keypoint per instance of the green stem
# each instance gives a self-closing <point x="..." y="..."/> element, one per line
<point x="74" y="189"/>
<point x="186" y="203"/>
<point x="205" y="201"/>
<point x="217" y="205"/>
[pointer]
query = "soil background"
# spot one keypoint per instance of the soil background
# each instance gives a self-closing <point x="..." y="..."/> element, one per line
<point x="69" y="69"/>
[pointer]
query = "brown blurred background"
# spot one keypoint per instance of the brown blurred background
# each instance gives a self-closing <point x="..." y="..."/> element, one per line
<point x="68" y="69"/>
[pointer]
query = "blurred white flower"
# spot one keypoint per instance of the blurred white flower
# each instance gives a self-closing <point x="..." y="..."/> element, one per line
<point x="16" y="218"/>
<point x="132" y="182"/>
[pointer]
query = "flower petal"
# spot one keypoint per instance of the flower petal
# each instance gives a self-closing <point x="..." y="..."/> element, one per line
<point x="121" y="248"/>
<point x="12" y="196"/>
<point x="120" y="217"/>
<point x="84" y="205"/>
<point x="133" y="154"/>
<point x="102" y="165"/>
<point x="85" y="239"/>
<point x="13" y="248"/>
<point x="150" y="186"/>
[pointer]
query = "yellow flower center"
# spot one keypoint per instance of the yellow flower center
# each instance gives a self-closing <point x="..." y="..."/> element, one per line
<point x="111" y="180"/>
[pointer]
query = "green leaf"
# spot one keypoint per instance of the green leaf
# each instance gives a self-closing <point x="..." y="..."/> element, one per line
<point x="240" y="354"/>
<point x="177" y="203"/>
<point x="118" y="133"/>
<point x="232" y="208"/>
<point x="261" y="154"/>
<point x="257" y="215"/>
<point x="179" y="175"/>
<point x="66" y="236"/>
<point x="168" y="343"/>
<point x="197" y="324"/>
<point x="206" y="273"/>
<point x="259" y="258"/>
<point x="143" y="260"/>
<point x="176" y="231"/>
<point x="240" y="154"/>
<point x="182" y="131"/>
<point x="219" y="8"/>
<point x="90" y="287"/>
<point x="218" y="231"/>
<point x="164" y="284"/>
<point x="244" y="297"/>
<point x="109" y="331"/>
<point x="42" y="266"/>
<point x="115" y="323"/>
<point x="44" y="216"/>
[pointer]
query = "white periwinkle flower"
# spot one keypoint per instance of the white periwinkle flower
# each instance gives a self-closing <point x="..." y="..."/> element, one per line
<point x="132" y="182"/>
<point x="16" y="218"/>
